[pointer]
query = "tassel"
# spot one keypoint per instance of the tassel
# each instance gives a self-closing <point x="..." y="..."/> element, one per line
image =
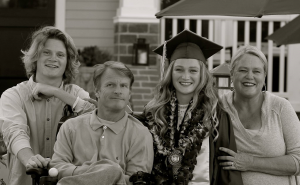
<point x="163" y="61"/>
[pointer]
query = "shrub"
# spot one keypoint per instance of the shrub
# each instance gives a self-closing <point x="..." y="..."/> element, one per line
<point x="92" y="55"/>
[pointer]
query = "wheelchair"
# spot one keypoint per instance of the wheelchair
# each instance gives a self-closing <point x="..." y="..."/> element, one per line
<point x="40" y="176"/>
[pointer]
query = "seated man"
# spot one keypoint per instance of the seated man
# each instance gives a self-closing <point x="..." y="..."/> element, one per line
<point x="108" y="145"/>
<point x="31" y="110"/>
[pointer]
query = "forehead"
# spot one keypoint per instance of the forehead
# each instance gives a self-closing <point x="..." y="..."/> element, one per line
<point x="249" y="60"/>
<point x="55" y="44"/>
<point x="113" y="75"/>
<point x="182" y="62"/>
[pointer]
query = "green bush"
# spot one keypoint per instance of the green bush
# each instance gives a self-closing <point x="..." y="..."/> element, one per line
<point x="92" y="55"/>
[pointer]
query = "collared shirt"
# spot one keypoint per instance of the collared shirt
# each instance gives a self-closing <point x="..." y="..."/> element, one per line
<point x="88" y="139"/>
<point x="32" y="124"/>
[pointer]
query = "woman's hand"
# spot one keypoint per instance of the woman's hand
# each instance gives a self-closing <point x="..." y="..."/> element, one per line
<point x="236" y="161"/>
<point x="37" y="161"/>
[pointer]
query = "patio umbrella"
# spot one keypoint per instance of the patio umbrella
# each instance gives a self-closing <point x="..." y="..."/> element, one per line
<point x="288" y="34"/>
<point x="244" y="8"/>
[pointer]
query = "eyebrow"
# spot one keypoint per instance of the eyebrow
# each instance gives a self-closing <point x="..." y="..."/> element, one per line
<point x="189" y="67"/>
<point x="256" y="68"/>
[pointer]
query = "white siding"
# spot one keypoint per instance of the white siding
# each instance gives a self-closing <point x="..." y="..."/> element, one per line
<point x="90" y="22"/>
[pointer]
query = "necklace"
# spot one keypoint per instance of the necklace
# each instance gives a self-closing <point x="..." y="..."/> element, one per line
<point x="175" y="153"/>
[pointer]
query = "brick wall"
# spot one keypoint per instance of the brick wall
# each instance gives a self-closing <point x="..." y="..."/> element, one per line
<point x="146" y="77"/>
<point x="126" y="34"/>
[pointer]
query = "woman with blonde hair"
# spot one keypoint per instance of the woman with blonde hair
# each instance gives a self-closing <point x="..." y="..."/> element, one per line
<point x="185" y="119"/>
<point x="266" y="126"/>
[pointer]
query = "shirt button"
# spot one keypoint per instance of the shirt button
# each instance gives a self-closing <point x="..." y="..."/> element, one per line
<point x="47" y="138"/>
<point x="48" y="119"/>
<point x="102" y="137"/>
<point x="48" y="100"/>
<point x="104" y="127"/>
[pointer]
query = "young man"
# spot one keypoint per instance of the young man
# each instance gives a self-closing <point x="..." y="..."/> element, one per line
<point x="30" y="111"/>
<point x="108" y="145"/>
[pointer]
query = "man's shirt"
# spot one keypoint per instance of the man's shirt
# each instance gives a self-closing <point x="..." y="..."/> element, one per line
<point x="89" y="139"/>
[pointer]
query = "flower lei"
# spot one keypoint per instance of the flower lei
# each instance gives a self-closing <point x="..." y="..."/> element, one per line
<point x="188" y="139"/>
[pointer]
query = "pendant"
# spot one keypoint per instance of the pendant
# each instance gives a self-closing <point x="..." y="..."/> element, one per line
<point x="175" y="158"/>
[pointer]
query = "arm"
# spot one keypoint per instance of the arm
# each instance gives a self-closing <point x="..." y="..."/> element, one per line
<point x="283" y="165"/>
<point x="140" y="156"/>
<point x="73" y="96"/>
<point x="14" y="122"/>
<point x="16" y="131"/>
<point x="48" y="90"/>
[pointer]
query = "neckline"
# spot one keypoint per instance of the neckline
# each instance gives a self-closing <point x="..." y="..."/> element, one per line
<point x="239" y="123"/>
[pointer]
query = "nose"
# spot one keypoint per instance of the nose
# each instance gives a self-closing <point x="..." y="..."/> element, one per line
<point x="186" y="76"/>
<point x="118" y="90"/>
<point x="249" y="75"/>
<point x="53" y="57"/>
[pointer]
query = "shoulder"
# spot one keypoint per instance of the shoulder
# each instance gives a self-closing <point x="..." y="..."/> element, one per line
<point x="16" y="91"/>
<point x="79" y="121"/>
<point x="226" y="99"/>
<point x="137" y="126"/>
<point x="276" y="103"/>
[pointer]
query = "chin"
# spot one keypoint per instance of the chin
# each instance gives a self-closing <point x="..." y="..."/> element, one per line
<point x="118" y="108"/>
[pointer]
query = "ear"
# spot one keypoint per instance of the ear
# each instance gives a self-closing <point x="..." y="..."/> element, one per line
<point x="129" y="94"/>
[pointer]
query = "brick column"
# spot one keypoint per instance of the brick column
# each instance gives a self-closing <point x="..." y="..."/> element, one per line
<point x="134" y="21"/>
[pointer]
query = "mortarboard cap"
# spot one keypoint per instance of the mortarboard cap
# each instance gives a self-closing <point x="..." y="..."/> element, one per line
<point x="184" y="45"/>
<point x="187" y="44"/>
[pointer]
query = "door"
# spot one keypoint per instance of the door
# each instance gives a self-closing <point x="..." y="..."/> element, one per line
<point x="18" y="19"/>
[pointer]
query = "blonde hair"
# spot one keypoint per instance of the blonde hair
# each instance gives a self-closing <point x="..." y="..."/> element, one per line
<point x="119" y="66"/>
<point x="38" y="41"/>
<point x="248" y="49"/>
<point x="163" y="93"/>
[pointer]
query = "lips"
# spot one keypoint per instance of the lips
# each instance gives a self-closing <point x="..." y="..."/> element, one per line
<point x="51" y="66"/>
<point x="248" y="84"/>
<point x="186" y="83"/>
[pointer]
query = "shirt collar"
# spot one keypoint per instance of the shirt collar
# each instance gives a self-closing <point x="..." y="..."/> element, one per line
<point x="32" y="83"/>
<point x="116" y="127"/>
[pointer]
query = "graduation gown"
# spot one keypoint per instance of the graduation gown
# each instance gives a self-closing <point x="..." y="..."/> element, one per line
<point x="226" y="139"/>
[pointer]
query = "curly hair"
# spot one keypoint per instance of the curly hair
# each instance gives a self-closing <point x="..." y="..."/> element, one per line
<point x="38" y="41"/>
<point x="163" y="92"/>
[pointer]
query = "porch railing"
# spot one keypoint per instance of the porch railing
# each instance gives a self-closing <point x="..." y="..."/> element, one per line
<point x="224" y="31"/>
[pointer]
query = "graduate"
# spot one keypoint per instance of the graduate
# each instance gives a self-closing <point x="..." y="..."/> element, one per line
<point x="185" y="118"/>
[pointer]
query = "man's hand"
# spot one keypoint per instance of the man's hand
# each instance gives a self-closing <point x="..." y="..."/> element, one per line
<point x="91" y="101"/>
<point x="37" y="161"/>
<point x="41" y="91"/>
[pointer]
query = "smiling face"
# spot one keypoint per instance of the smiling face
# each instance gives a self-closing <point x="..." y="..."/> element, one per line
<point x="52" y="61"/>
<point x="186" y="77"/>
<point x="113" y="91"/>
<point x="248" y="77"/>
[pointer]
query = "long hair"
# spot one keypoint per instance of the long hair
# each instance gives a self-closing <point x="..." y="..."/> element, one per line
<point x="38" y="41"/>
<point x="163" y="93"/>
